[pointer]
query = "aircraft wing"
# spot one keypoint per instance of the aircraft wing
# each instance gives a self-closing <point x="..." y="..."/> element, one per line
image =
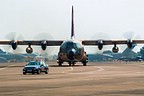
<point x="29" y="49"/>
<point x="59" y="42"/>
<point x="45" y="43"/>
<point x="48" y="42"/>
<point x="111" y="42"/>
<point x="84" y="42"/>
<point x="34" y="42"/>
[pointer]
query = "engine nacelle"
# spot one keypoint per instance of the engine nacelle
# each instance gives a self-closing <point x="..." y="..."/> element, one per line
<point x="129" y="43"/>
<point x="14" y="45"/>
<point x="44" y="45"/>
<point x="100" y="44"/>
<point x="115" y="49"/>
<point x="29" y="50"/>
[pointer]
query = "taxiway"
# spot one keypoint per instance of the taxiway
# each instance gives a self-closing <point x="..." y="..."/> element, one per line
<point x="96" y="79"/>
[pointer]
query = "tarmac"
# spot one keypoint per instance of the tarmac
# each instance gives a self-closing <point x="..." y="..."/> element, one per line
<point x="95" y="79"/>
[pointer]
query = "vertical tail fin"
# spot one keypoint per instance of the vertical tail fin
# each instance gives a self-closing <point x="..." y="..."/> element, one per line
<point x="72" y="24"/>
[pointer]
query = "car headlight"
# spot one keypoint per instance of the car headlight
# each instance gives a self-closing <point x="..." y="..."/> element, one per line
<point x="24" y="68"/>
<point x="35" y="68"/>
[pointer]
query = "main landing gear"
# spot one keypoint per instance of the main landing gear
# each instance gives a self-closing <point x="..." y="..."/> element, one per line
<point x="84" y="63"/>
<point x="72" y="63"/>
<point x="60" y="62"/>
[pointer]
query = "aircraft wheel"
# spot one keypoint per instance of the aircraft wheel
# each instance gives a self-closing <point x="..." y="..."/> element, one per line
<point x="84" y="63"/>
<point x="73" y="63"/>
<point x="69" y="63"/>
<point x="60" y="64"/>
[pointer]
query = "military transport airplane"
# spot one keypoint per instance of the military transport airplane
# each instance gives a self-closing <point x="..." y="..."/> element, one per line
<point x="72" y="50"/>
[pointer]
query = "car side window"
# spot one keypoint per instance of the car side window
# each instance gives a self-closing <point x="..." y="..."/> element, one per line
<point x="44" y="64"/>
<point x="38" y="63"/>
<point x="41" y="63"/>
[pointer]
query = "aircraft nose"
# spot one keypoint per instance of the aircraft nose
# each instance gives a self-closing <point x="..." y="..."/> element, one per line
<point x="71" y="54"/>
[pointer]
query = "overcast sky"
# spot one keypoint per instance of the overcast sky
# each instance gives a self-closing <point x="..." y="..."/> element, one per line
<point x="111" y="18"/>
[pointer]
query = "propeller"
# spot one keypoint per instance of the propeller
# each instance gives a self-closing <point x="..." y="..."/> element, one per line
<point x="130" y="36"/>
<point x="95" y="49"/>
<point x="43" y="36"/>
<point x="48" y="50"/>
<point x="14" y="37"/>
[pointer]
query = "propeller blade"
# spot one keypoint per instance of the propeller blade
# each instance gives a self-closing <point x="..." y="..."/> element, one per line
<point x="13" y="36"/>
<point x="43" y="36"/>
<point x="49" y="50"/>
<point x="98" y="36"/>
<point x="131" y="35"/>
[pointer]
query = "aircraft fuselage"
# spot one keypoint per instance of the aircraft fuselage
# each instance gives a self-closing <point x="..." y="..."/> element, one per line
<point x="72" y="51"/>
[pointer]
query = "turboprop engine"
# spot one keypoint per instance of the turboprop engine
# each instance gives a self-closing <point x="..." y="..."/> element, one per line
<point x="115" y="49"/>
<point x="100" y="44"/>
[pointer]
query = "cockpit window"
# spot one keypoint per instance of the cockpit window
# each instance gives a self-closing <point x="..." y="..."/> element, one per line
<point x="78" y="45"/>
<point x="70" y="45"/>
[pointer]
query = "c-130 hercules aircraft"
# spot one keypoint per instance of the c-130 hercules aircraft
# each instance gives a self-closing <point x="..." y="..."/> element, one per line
<point x="72" y="50"/>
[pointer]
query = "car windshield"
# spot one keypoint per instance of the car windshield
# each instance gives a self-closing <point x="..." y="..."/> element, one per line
<point x="33" y="63"/>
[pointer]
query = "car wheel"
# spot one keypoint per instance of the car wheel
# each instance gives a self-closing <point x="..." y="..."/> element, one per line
<point x="38" y="72"/>
<point x="46" y="72"/>
<point x="24" y="73"/>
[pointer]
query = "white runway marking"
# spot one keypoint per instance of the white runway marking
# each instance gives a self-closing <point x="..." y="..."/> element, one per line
<point x="63" y="72"/>
<point x="99" y="68"/>
<point x="2" y="68"/>
<point x="6" y="67"/>
<point x="71" y="69"/>
<point x="11" y="65"/>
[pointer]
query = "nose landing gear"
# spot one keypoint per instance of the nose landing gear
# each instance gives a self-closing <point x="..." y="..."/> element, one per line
<point x="71" y="63"/>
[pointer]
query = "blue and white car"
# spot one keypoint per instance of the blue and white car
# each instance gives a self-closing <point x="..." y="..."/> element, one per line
<point x="36" y="67"/>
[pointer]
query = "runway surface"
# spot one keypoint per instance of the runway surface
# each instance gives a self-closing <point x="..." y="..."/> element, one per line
<point x="96" y="79"/>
